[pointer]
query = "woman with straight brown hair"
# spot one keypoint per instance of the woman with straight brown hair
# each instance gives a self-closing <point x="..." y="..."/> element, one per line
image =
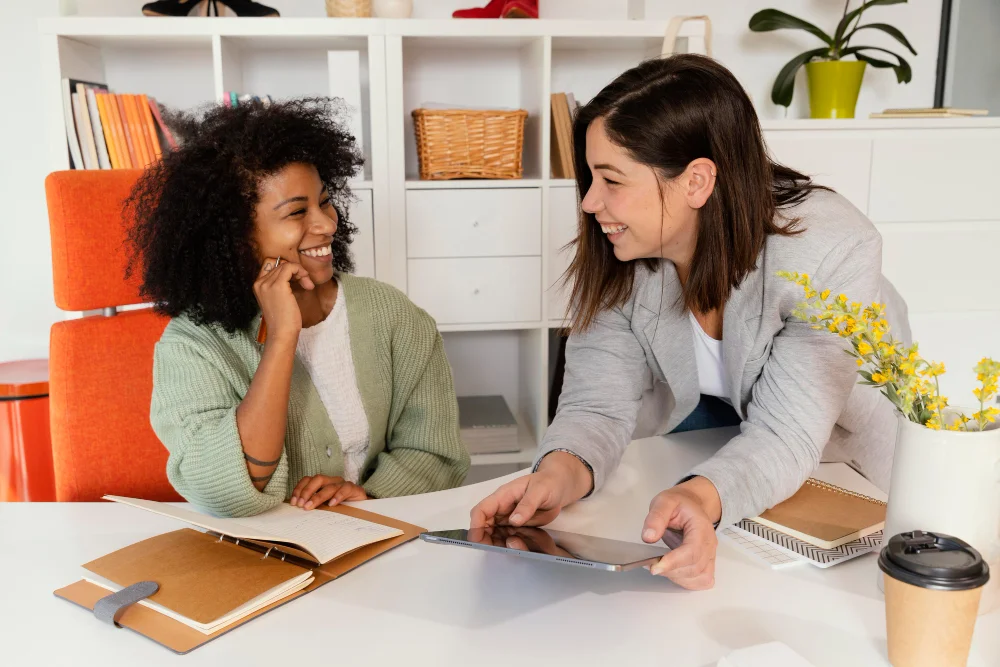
<point x="679" y="320"/>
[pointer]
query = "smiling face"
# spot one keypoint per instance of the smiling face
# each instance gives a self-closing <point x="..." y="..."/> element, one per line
<point x="641" y="213"/>
<point x="296" y="220"/>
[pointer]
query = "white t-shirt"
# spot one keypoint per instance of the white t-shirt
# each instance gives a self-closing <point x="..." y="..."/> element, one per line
<point x="325" y="350"/>
<point x="708" y="357"/>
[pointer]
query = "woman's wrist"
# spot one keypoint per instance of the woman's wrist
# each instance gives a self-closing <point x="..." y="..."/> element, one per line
<point x="704" y="492"/>
<point x="580" y="478"/>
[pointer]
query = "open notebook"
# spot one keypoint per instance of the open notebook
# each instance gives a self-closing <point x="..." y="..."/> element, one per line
<point x="212" y="582"/>
<point x="322" y="536"/>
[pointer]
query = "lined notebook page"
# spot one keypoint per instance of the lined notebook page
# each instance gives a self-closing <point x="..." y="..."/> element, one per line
<point x="326" y="535"/>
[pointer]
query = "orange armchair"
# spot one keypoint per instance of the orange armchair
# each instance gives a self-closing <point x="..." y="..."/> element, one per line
<point x="100" y="377"/>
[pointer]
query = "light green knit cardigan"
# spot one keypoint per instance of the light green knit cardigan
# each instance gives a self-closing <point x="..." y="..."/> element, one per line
<point x="202" y="373"/>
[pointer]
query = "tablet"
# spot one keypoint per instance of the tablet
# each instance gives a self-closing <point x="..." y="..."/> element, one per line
<point x="555" y="546"/>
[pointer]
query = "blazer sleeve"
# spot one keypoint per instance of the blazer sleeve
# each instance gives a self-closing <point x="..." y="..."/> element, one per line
<point x="802" y="390"/>
<point x="423" y="450"/>
<point x="193" y="412"/>
<point x="601" y="396"/>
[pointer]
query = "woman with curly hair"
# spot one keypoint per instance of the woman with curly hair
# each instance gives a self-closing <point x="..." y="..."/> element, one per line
<point x="350" y="395"/>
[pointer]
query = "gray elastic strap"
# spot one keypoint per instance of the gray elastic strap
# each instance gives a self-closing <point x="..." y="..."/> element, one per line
<point x="110" y="608"/>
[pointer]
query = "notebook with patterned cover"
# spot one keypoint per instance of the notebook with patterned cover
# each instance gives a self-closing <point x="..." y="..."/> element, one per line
<point x="825" y="516"/>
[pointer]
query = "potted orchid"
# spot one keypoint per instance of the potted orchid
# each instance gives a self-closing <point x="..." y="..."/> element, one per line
<point x="834" y="70"/>
<point x="946" y="467"/>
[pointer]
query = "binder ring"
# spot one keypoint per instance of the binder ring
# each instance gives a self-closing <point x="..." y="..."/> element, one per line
<point x="268" y="553"/>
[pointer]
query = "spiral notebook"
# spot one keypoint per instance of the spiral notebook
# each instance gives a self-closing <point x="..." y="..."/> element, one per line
<point x="825" y="515"/>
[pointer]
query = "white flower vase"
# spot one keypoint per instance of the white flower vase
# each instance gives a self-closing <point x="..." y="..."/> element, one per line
<point x="392" y="9"/>
<point x="949" y="482"/>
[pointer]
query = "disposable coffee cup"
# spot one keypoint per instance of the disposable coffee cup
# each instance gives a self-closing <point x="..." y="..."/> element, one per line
<point x="933" y="583"/>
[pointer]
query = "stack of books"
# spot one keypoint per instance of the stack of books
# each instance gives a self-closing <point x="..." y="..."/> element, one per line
<point x="564" y="108"/>
<point x="487" y="426"/>
<point x="106" y="130"/>
<point x="930" y="112"/>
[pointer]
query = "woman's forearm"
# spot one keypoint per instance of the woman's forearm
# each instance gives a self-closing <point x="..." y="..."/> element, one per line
<point x="263" y="413"/>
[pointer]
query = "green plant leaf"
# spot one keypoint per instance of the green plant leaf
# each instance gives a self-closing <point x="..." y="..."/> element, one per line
<point x="784" y="83"/>
<point x="767" y="20"/>
<point x="838" y="35"/>
<point x="886" y="28"/>
<point x="904" y="74"/>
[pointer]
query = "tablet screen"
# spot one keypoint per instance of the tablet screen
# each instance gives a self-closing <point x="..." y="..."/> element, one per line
<point x="557" y="544"/>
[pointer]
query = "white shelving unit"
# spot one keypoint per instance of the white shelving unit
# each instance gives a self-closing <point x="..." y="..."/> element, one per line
<point x="481" y="256"/>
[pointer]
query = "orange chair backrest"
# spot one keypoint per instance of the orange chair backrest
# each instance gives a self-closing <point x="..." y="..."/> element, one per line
<point x="100" y="367"/>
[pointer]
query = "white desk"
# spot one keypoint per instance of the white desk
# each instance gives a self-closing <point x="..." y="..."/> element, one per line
<point x="431" y="604"/>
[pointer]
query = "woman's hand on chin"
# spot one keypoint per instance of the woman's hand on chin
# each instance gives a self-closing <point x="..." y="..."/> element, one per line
<point x="692" y="507"/>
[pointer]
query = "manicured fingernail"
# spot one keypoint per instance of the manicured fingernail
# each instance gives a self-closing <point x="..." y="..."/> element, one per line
<point x="333" y="502"/>
<point x="649" y="535"/>
<point x="309" y="505"/>
<point x="515" y="518"/>
<point x="294" y="499"/>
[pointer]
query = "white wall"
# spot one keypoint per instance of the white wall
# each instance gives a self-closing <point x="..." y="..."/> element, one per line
<point x="26" y="304"/>
<point x="974" y="58"/>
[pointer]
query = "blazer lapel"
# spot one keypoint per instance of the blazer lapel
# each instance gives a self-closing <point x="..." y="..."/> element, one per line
<point x="743" y="311"/>
<point x="668" y="335"/>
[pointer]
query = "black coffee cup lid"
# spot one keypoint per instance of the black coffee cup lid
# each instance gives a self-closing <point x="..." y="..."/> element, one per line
<point x="933" y="560"/>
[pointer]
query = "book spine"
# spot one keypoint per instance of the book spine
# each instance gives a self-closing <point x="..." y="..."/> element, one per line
<point x="155" y="109"/>
<point x="150" y="125"/>
<point x="81" y="131"/>
<point x="109" y="131"/>
<point x="76" y="159"/>
<point x="135" y="130"/>
<point x="133" y="155"/>
<point x="103" y="158"/>
<point x="119" y="129"/>
<point x="88" y="143"/>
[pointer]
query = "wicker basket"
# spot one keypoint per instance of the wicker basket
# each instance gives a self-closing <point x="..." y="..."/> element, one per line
<point x="462" y="143"/>
<point x="346" y="8"/>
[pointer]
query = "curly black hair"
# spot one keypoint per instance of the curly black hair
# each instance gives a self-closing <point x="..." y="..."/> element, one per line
<point x="191" y="235"/>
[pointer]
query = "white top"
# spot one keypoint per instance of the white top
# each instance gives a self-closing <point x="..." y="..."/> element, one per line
<point x="325" y="350"/>
<point x="460" y="599"/>
<point x="708" y="357"/>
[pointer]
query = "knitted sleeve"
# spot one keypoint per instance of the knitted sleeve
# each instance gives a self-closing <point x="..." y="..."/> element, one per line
<point x="193" y="412"/>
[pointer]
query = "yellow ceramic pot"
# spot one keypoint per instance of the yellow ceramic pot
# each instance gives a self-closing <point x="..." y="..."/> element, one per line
<point x="833" y="87"/>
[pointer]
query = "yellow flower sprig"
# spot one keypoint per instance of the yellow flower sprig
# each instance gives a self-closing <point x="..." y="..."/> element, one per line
<point x="907" y="380"/>
<point x="987" y="372"/>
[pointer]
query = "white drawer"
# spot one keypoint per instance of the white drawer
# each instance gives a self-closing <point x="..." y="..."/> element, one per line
<point x="948" y="175"/>
<point x="843" y="164"/>
<point x="563" y="222"/>
<point x="500" y="222"/>
<point x="942" y="267"/>
<point x="470" y="291"/>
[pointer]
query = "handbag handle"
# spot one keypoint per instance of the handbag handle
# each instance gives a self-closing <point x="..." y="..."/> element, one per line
<point x="674" y="28"/>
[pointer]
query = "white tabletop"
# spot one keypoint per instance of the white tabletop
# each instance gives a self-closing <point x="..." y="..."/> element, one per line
<point x="441" y="605"/>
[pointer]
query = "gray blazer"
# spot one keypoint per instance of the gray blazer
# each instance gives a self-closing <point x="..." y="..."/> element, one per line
<point x="792" y="385"/>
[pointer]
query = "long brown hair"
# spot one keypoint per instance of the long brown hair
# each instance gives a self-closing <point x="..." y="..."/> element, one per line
<point x="666" y="113"/>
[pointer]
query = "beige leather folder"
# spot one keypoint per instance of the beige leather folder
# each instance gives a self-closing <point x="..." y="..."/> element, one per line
<point x="203" y="576"/>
